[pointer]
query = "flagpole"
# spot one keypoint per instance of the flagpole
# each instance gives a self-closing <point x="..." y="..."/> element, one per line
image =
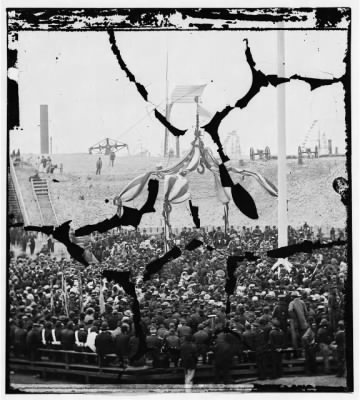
<point x="80" y="293"/>
<point x="281" y="121"/>
<point x="64" y="293"/>
<point x="166" y="144"/>
<point x="51" y="296"/>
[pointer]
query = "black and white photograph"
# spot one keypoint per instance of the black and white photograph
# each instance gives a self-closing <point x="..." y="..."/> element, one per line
<point x="179" y="211"/>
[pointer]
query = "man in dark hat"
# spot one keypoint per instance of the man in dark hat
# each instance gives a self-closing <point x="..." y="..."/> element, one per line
<point x="324" y="339"/>
<point x="104" y="343"/>
<point x="340" y="349"/>
<point x="20" y="340"/>
<point x="122" y="344"/>
<point x="276" y="343"/>
<point x="68" y="337"/>
<point x="56" y="335"/>
<point x="172" y="342"/>
<point x="33" y="341"/>
<point x="261" y="349"/>
<point x="201" y="339"/>
<point x="154" y="344"/>
<point x="224" y="353"/>
<point x="280" y="313"/>
<point x="310" y="347"/>
<point x="298" y="318"/>
<point x="188" y="354"/>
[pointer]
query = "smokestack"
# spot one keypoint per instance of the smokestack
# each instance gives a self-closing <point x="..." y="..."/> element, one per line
<point x="330" y="146"/>
<point x="44" y="129"/>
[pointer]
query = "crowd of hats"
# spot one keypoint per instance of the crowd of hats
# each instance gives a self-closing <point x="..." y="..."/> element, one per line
<point x="194" y="281"/>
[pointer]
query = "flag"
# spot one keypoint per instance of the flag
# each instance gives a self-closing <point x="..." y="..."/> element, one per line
<point x="186" y="93"/>
<point x="203" y="112"/>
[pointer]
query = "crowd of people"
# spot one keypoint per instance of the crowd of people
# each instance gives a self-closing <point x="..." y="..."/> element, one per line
<point x="57" y="303"/>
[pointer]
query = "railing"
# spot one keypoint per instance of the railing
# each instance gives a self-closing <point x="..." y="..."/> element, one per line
<point x="89" y="365"/>
<point x="18" y="192"/>
<point x="52" y="207"/>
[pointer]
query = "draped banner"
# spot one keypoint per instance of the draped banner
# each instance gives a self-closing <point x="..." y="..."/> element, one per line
<point x="176" y="191"/>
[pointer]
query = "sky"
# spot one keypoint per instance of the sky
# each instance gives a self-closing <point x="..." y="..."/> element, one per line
<point x="89" y="97"/>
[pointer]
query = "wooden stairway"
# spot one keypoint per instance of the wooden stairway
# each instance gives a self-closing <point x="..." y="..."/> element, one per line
<point x="43" y="198"/>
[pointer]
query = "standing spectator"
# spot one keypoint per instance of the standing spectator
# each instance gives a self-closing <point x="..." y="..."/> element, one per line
<point x="188" y="356"/>
<point x="68" y="337"/>
<point x="98" y="166"/>
<point x="276" y="343"/>
<point x="24" y="242"/>
<point x="183" y="330"/>
<point x="20" y="340"/>
<point x="122" y="344"/>
<point x="50" y="244"/>
<point x="32" y="245"/>
<point x="61" y="168"/>
<point x="56" y="335"/>
<point x="340" y="349"/>
<point x="332" y="234"/>
<point x="333" y="307"/>
<point x="298" y="315"/>
<point x="324" y="339"/>
<point x="223" y="358"/>
<point x="46" y="336"/>
<point x="201" y="339"/>
<point x="33" y="341"/>
<point x="80" y="337"/>
<point x="90" y="340"/>
<point x="281" y="313"/>
<point x="154" y="344"/>
<point x="260" y="350"/>
<point x="310" y="348"/>
<point x="173" y="346"/>
<point x="104" y="342"/>
<point x="112" y="158"/>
